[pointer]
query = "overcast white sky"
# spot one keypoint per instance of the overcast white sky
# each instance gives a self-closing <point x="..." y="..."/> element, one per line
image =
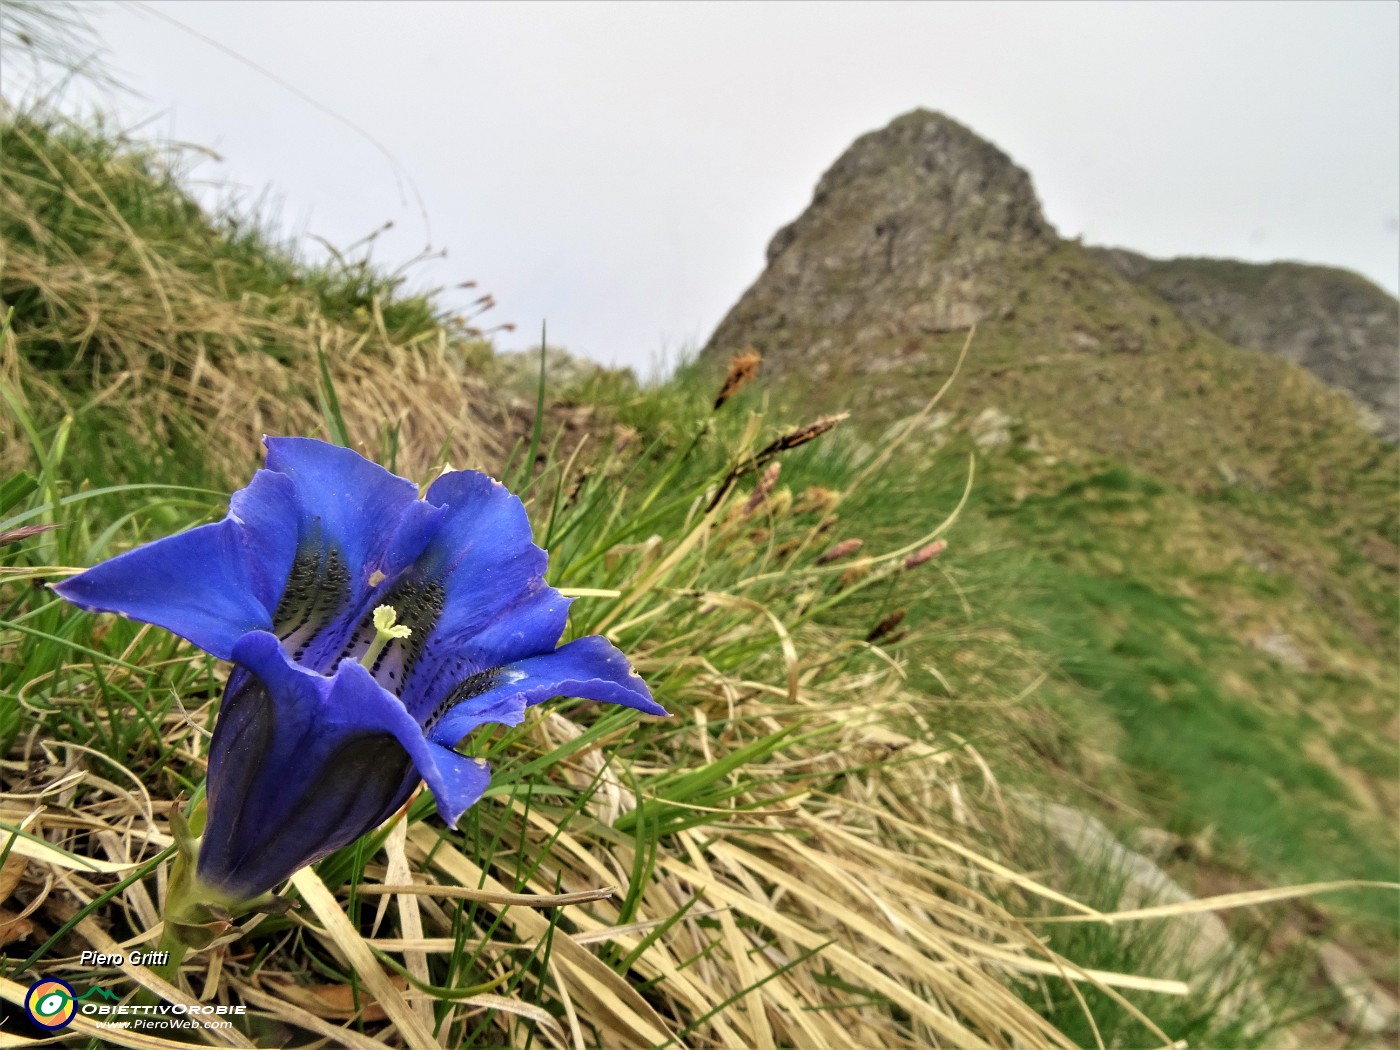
<point x="618" y="168"/>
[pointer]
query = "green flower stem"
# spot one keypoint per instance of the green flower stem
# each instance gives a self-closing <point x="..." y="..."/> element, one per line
<point x="168" y="971"/>
<point x="195" y="914"/>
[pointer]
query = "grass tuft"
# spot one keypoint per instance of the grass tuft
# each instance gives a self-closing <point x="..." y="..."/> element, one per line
<point x="815" y="850"/>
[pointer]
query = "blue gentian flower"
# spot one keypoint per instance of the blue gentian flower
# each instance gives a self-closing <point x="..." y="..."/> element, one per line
<point x="370" y="631"/>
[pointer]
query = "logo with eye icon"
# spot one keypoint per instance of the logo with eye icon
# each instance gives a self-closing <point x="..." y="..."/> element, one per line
<point x="51" y="1003"/>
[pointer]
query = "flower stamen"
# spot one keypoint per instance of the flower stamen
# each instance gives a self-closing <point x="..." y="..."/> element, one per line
<point x="386" y="629"/>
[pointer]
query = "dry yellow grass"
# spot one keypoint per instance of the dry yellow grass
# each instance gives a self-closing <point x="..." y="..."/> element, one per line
<point x="162" y="337"/>
<point x="871" y="886"/>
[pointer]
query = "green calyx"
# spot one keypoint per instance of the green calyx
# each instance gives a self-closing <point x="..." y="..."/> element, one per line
<point x="197" y="914"/>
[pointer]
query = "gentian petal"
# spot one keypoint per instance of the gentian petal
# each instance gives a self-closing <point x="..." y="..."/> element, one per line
<point x="341" y="499"/>
<point x="529" y="626"/>
<point x="302" y="764"/>
<point x="359" y="529"/>
<point x="456" y="781"/>
<point x="210" y="585"/>
<point x="590" y="667"/>
<point x="486" y="559"/>
<point x="487" y="576"/>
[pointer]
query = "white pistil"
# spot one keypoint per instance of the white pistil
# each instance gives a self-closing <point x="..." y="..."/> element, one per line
<point x="386" y="629"/>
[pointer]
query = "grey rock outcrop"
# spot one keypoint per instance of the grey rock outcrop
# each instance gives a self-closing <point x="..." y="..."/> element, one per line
<point x="1199" y="940"/>
<point x="1339" y="326"/>
<point x="922" y="229"/>
<point x="1369" y="1009"/>
<point x="921" y="221"/>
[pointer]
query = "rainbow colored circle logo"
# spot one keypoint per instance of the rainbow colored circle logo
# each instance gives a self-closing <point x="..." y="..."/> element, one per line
<point x="51" y="1003"/>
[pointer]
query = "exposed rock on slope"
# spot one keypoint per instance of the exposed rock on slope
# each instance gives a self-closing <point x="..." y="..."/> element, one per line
<point x="921" y="221"/>
<point x="922" y="229"/>
<point x="1336" y="324"/>
<point x="1199" y="943"/>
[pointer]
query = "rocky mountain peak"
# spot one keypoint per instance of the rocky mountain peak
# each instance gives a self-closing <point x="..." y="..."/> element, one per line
<point x="922" y="218"/>
<point x="924" y="176"/>
<point x="922" y="229"/>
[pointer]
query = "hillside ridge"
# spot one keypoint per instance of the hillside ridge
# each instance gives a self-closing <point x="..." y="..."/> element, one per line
<point x="1334" y="323"/>
<point x="1204" y="533"/>
<point x="923" y="228"/>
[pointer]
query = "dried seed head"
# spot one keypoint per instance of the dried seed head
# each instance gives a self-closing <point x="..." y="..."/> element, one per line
<point x="25" y="531"/>
<point x="840" y="550"/>
<point x="800" y="436"/>
<point x="622" y="437"/>
<point x="764" y="486"/>
<point x="743" y="369"/>
<point x="923" y="554"/>
<point x="886" y="625"/>
<point x="577" y="487"/>
<point x="792" y="439"/>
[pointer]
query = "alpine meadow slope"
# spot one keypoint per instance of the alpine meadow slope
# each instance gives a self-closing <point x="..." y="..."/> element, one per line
<point x="878" y="636"/>
<point x="1193" y="532"/>
<point x="798" y="857"/>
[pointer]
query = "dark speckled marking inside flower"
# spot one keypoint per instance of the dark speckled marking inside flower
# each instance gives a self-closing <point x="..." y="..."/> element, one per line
<point x="417" y="607"/>
<point x="318" y="588"/>
<point x="472" y="685"/>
